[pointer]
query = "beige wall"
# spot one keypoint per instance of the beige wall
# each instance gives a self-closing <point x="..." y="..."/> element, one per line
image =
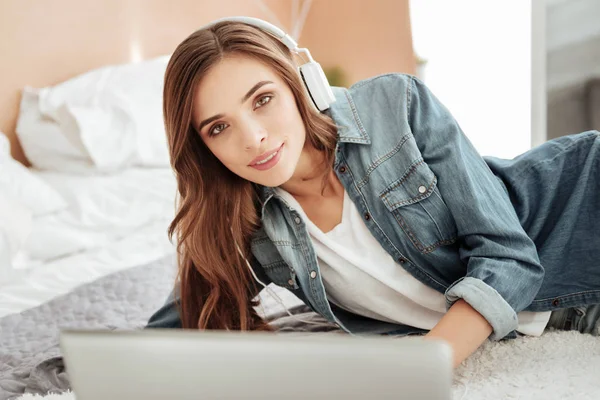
<point x="46" y="42"/>
<point x="366" y="38"/>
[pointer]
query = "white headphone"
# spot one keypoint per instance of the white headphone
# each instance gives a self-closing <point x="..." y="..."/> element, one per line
<point x="312" y="74"/>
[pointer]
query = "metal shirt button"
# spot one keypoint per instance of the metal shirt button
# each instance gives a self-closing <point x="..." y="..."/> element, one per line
<point x="422" y="189"/>
<point x="313" y="274"/>
<point x="291" y="282"/>
<point x="297" y="219"/>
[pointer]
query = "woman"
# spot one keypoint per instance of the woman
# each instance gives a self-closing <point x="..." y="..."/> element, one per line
<point x="377" y="212"/>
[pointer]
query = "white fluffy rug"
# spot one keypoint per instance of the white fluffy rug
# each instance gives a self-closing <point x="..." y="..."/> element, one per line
<point x="557" y="365"/>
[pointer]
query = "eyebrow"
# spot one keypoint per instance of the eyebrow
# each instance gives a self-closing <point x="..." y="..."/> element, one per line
<point x="246" y="97"/>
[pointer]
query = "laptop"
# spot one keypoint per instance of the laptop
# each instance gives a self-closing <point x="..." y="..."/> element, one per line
<point x="186" y="364"/>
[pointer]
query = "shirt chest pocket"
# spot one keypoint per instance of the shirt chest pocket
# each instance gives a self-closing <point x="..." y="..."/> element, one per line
<point x="278" y="271"/>
<point x="419" y="210"/>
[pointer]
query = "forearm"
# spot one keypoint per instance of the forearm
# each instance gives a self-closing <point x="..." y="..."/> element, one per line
<point x="463" y="328"/>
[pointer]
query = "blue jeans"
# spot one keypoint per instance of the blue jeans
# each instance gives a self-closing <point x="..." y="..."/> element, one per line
<point x="582" y="319"/>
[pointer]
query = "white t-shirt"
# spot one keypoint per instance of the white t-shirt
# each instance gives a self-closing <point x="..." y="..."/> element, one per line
<point x="361" y="277"/>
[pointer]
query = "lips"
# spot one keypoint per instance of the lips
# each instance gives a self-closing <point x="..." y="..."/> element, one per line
<point x="265" y="155"/>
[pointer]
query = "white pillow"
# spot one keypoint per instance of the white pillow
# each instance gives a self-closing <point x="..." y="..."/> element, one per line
<point x="43" y="142"/>
<point x="109" y="118"/>
<point x="15" y="227"/>
<point x="20" y="184"/>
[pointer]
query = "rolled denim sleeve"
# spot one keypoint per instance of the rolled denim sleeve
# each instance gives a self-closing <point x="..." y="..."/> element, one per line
<point x="504" y="272"/>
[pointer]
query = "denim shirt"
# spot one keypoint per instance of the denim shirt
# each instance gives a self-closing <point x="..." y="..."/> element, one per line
<point x="430" y="200"/>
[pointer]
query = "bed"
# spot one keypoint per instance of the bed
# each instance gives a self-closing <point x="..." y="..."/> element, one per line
<point x="89" y="249"/>
<point x="86" y="198"/>
<point x="116" y="276"/>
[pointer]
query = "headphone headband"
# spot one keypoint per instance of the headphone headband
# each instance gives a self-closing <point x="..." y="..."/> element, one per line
<point x="259" y="23"/>
<point x="312" y="74"/>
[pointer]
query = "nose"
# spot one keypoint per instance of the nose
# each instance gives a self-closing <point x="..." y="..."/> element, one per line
<point x="253" y="136"/>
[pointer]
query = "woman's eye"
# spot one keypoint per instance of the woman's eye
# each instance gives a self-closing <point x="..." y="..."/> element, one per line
<point x="216" y="130"/>
<point x="263" y="100"/>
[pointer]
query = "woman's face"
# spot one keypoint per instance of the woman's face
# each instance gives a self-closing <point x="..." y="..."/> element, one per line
<point x="248" y="117"/>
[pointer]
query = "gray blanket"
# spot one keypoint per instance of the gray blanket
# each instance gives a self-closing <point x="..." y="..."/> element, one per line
<point x="30" y="359"/>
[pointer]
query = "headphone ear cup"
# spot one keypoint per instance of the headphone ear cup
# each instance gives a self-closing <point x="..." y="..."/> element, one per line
<point x="317" y="85"/>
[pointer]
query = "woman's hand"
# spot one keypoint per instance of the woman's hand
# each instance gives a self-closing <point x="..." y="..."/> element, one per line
<point x="463" y="328"/>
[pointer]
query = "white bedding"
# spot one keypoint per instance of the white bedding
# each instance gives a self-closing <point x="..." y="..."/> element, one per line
<point x="99" y="139"/>
<point x="112" y="222"/>
<point x="102" y="208"/>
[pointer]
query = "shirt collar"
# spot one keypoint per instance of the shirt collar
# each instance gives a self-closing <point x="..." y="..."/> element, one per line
<point x="344" y="114"/>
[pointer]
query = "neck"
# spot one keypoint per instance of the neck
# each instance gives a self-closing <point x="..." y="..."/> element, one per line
<point x="307" y="181"/>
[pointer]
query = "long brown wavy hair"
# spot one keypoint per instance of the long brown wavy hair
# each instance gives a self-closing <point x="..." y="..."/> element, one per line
<point x="216" y="208"/>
